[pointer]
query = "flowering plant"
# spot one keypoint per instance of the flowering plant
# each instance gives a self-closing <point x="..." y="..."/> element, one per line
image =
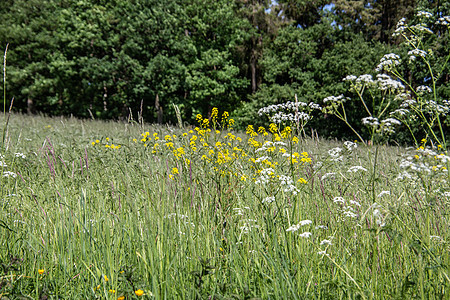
<point x="390" y="99"/>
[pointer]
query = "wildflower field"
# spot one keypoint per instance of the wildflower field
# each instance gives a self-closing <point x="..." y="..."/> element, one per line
<point x="110" y="210"/>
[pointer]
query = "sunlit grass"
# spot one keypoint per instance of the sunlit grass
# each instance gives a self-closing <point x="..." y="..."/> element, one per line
<point x="108" y="210"/>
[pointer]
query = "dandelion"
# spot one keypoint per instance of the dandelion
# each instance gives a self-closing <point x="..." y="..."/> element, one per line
<point x="139" y="292"/>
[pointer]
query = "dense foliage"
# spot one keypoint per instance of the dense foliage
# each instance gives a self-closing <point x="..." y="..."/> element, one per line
<point x="117" y="59"/>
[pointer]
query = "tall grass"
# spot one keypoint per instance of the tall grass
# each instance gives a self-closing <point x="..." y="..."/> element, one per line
<point x="119" y="216"/>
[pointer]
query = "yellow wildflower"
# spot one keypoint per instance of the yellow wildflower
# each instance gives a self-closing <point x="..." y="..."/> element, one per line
<point x="302" y="180"/>
<point x="139" y="292"/>
<point x="41" y="271"/>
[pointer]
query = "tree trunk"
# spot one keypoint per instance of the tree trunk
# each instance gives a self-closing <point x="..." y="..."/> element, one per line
<point x="159" y="110"/>
<point x="30" y="106"/>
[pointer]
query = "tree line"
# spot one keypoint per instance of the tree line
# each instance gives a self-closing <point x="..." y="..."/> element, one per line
<point x="112" y="58"/>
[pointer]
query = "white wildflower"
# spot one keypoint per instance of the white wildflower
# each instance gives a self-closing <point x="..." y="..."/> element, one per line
<point x="321" y="227"/>
<point x="424" y="14"/>
<point x="9" y="173"/>
<point x="355" y="169"/>
<point x="305" y="234"/>
<point x="305" y="222"/>
<point x="349" y="78"/>
<point x="388" y="61"/>
<point x="325" y="242"/>
<point x="370" y="121"/>
<point x="335" y="99"/>
<point x="355" y="202"/>
<point x="423" y="89"/>
<point x="268" y="199"/>
<point x="293" y="228"/>
<point x="338" y="200"/>
<point x="350" y="145"/>
<point x="18" y="154"/>
<point x="328" y="175"/>
<point x="383" y="193"/>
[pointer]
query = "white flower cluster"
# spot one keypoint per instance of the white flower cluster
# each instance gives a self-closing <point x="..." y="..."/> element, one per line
<point x="350" y="146"/>
<point x="281" y="117"/>
<point x="269" y="199"/>
<point x="423" y="89"/>
<point x="283" y="106"/>
<point x="261" y="159"/>
<point x="432" y="107"/>
<point x="424" y="14"/>
<point x="355" y="169"/>
<point x="335" y="99"/>
<point x="9" y="173"/>
<point x="350" y="78"/>
<point x="21" y="155"/>
<point x="408" y="103"/>
<point x="445" y="20"/>
<point x="400" y="27"/>
<point x="387" y="124"/>
<point x="388" y="61"/>
<point x="366" y="78"/>
<point x="278" y="113"/>
<point x="335" y="154"/>
<point x="313" y="105"/>
<point x="296" y="227"/>
<point x="264" y="176"/>
<point x="370" y="121"/>
<point x="288" y="184"/>
<point x="379" y="218"/>
<point x="402" y="97"/>
<point x="385" y="82"/>
<point x="416" y="52"/>
<point x="268" y="145"/>
<point x="348" y="210"/>
<point x="421" y="28"/>
<point x="328" y="175"/>
<point x="400" y="112"/>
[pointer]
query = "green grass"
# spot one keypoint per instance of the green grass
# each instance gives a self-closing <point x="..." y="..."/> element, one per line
<point x="81" y="212"/>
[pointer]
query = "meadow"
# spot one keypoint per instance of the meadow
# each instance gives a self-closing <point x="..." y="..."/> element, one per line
<point x="126" y="210"/>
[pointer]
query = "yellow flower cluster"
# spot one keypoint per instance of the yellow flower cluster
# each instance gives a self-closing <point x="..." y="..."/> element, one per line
<point x="221" y="151"/>
<point x="106" y="145"/>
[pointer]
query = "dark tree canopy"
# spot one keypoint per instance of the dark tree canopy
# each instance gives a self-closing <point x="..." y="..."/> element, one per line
<point x="110" y="59"/>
